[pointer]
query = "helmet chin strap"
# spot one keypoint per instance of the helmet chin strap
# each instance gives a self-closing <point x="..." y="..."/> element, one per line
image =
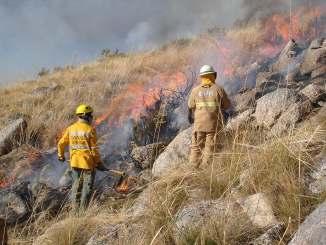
<point x="87" y="117"/>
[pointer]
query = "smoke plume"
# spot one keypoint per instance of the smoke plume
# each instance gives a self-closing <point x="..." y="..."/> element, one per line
<point x="44" y="33"/>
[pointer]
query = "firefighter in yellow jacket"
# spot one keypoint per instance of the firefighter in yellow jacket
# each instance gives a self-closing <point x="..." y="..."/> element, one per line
<point x="206" y="103"/>
<point x="84" y="156"/>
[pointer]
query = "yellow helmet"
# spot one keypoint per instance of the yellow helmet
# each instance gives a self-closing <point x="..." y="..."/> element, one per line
<point x="83" y="109"/>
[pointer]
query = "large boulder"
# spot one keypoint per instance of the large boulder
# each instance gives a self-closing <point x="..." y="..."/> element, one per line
<point x="280" y="110"/>
<point x="313" y="230"/>
<point x="12" y="135"/>
<point x="315" y="57"/>
<point x="175" y="154"/>
<point x="145" y="156"/>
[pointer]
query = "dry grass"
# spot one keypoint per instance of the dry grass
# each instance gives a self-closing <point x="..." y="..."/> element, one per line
<point x="277" y="167"/>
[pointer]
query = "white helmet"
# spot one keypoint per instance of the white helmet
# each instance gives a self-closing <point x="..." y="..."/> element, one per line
<point x="206" y="69"/>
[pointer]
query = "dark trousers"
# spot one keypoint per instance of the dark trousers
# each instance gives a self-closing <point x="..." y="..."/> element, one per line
<point x="82" y="188"/>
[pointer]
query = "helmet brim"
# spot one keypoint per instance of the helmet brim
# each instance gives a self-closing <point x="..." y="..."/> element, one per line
<point x="207" y="73"/>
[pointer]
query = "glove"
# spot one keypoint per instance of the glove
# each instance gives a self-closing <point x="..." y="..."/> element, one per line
<point x="61" y="159"/>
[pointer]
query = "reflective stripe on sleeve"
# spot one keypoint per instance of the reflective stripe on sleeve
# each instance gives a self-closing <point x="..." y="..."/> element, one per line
<point x="206" y="104"/>
<point x="79" y="147"/>
<point x="79" y="134"/>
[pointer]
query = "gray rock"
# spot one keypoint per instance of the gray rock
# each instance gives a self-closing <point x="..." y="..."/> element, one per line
<point x="12" y="135"/>
<point x="281" y="110"/>
<point x="314" y="58"/>
<point x="175" y="154"/>
<point x="121" y="233"/>
<point x="270" y="236"/>
<point x="268" y="81"/>
<point x="318" y="183"/>
<point x="146" y="155"/>
<point x="288" y="119"/>
<point x="244" y="101"/>
<point x="313" y="230"/>
<point x="241" y="120"/>
<point x="12" y="207"/>
<point x="194" y="215"/>
<point x="314" y="92"/>
<point x="272" y="105"/>
<point x="259" y="210"/>
<point x="46" y="198"/>
<point x="287" y="57"/>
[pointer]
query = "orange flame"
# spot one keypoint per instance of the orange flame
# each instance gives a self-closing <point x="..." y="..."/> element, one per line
<point x="126" y="185"/>
<point x="137" y="96"/>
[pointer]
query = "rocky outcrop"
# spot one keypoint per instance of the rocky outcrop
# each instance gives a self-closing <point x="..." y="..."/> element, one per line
<point x="280" y="110"/>
<point x="175" y="154"/>
<point x="144" y="156"/>
<point x="314" y="58"/>
<point x="313" y="230"/>
<point x="314" y="92"/>
<point x="318" y="183"/>
<point x="12" y="135"/>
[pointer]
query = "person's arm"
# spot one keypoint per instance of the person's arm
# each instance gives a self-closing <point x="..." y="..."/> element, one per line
<point x="225" y="102"/>
<point x="191" y="108"/>
<point x="63" y="142"/>
<point x="94" y="148"/>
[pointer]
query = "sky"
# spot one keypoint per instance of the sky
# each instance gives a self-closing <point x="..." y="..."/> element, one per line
<point x="45" y="33"/>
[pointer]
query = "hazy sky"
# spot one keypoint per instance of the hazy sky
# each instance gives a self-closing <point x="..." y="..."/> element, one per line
<point x="45" y="33"/>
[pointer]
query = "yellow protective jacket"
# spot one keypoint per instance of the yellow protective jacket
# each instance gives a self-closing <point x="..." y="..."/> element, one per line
<point x="82" y="141"/>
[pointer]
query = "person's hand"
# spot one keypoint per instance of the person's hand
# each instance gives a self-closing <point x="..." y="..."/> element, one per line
<point x="61" y="159"/>
<point x="100" y="166"/>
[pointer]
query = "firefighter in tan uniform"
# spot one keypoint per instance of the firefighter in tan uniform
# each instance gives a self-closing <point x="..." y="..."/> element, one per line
<point x="207" y="102"/>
